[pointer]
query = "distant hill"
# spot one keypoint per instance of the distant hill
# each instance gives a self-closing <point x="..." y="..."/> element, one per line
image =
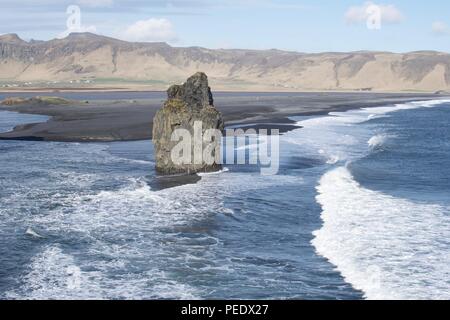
<point x="85" y="59"/>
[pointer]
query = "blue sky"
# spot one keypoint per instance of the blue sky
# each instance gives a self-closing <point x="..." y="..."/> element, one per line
<point x="306" y="26"/>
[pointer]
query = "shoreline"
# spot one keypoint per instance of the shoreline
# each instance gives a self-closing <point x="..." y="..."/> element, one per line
<point x="140" y="89"/>
<point x="119" y="120"/>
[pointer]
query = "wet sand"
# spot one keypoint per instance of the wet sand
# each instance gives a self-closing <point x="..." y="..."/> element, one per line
<point x="104" y="121"/>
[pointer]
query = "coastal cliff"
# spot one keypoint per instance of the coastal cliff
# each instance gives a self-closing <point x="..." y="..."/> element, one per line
<point x="187" y="106"/>
<point x="84" y="60"/>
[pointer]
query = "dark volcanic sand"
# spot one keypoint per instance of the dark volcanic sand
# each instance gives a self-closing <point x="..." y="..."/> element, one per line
<point x="101" y="120"/>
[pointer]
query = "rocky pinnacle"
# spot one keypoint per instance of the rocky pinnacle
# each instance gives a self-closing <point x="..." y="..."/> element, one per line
<point x="187" y="106"/>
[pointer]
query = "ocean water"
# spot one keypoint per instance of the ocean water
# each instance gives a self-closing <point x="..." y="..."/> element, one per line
<point x="359" y="210"/>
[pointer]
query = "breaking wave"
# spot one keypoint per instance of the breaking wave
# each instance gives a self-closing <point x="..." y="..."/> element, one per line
<point x="377" y="141"/>
<point x="117" y="243"/>
<point x="387" y="247"/>
<point x="390" y="248"/>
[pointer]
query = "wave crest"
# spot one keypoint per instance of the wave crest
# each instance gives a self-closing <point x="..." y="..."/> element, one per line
<point x="390" y="248"/>
<point x="377" y="141"/>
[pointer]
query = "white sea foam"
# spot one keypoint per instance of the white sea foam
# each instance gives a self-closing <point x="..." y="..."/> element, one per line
<point x="203" y="174"/>
<point x="377" y="141"/>
<point x="329" y="136"/>
<point x="375" y="116"/>
<point x="122" y="228"/>
<point x="389" y="248"/>
<point x="33" y="233"/>
<point x="140" y="161"/>
<point x="54" y="274"/>
<point x="50" y="277"/>
<point x="377" y="111"/>
<point x="333" y="160"/>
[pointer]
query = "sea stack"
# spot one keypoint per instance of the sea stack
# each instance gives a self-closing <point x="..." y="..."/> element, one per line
<point x="189" y="108"/>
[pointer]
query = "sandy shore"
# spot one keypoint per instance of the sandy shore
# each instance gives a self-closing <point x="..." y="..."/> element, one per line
<point x="102" y="120"/>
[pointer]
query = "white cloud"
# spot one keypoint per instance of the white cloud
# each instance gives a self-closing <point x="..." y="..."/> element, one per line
<point x="151" y="30"/>
<point x="440" y="28"/>
<point x="359" y="14"/>
<point x="96" y="3"/>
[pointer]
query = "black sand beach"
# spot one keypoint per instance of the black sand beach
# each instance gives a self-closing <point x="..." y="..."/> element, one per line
<point x="121" y="120"/>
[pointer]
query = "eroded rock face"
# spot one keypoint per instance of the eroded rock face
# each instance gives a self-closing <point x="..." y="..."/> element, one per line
<point x="187" y="106"/>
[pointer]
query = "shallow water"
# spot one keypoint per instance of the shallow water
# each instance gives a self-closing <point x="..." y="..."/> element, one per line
<point x="100" y="229"/>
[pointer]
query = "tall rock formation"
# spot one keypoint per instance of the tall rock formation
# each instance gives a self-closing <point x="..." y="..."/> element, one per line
<point x="190" y="107"/>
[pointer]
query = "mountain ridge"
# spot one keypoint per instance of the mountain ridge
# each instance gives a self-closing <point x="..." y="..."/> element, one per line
<point x="88" y="59"/>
